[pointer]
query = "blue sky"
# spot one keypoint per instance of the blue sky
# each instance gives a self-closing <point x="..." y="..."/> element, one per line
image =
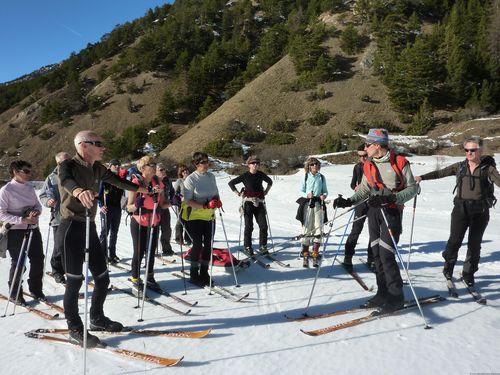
<point x="35" y="33"/>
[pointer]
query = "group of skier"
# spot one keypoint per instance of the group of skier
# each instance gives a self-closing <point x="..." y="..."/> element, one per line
<point x="382" y="183"/>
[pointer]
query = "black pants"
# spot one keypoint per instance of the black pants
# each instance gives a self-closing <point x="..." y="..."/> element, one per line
<point x="467" y="215"/>
<point x="113" y="219"/>
<point x="357" y="228"/>
<point x="166" y="230"/>
<point x="140" y="239"/>
<point x="201" y="232"/>
<point x="71" y="234"/>
<point x="56" y="261"/>
<point x="389" y="281"/>
<point x="15" y="240"/>
<point x="259" y="212"/>
<point x="180" y="233"/>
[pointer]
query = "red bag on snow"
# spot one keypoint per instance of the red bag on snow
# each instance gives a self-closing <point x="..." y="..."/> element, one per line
<point x="220" y="258"/>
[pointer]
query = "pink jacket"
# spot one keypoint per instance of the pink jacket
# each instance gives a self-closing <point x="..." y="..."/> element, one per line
<point x="15" y="199"/>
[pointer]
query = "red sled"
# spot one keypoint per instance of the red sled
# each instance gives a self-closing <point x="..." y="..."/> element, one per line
<point x="221" y="259"/>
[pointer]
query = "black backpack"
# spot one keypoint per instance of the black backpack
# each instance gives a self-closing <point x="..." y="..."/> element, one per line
<point x="487" y="186"/>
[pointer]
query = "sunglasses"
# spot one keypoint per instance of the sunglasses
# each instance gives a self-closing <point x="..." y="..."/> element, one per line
<point x="255" y="162"/>
<point x="161" y="169"/>
<point x="368" y="145"/>
<point x="25" y="171"/>
<point x="313" y="164"/>
<point x="152" y="165"/>
<point x="94" y="143"/>
<point x="185" y="171"/>
<point x="471" y="150"/>
<point x="203" y="162"/>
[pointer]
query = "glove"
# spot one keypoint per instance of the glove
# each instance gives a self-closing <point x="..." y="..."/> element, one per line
<point x="377" y="201"/>
<point x="342" y="202"/>
<point x="214" y="203"/>
<point x="139" y="201"/>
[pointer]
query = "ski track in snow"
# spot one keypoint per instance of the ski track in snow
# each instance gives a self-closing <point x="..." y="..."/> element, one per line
<point x="253" y="337"/>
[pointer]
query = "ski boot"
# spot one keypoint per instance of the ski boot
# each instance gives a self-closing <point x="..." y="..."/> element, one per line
<point x="305" y="256"/>
<point x="248" y="251"/>
<point x="263" y="250"/>
<point x="347" y="263"/>
<point x="76" y="337"/>
<point x="204" y="275"/>
<point x="448" y="270"/>
<point x="137" y="287"/>
<point x="103" y="323"/>
<point x="152" y="284"/>
<point x="315" y="254"/>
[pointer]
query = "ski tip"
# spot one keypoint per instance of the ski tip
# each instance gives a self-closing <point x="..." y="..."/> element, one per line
<point x="174" y="362"/>
<point x="308" y="333"/>
<point x="428" y="327"/>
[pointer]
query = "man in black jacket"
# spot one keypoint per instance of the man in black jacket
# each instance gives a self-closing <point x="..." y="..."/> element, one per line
<point x="110" y="197"/>
<point x="359" y="211"/>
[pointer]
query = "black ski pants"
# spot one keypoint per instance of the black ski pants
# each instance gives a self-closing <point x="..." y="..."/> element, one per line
<point x="180" y="233"/>
<point x="71" y="234"/>
<point x="357" y="228"/>
<point x="112" y="218"/>
<point x="56" y="261"/>
<point x="141" y="238"/>
<point x="259" y="212"/>
<point x="389" y="281"/>
<point x="15" y="239"/>
<point x="472" y="215"/>
<point x="166" y="230"/>
<point x="201" y="232"/>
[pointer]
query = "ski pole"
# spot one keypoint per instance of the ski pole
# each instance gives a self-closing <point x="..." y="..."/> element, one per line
<point x="319" y="266"/>
<point x="242" y="209"/>
<point x="229" y="251"/>
<point x="25" y="255"/>
<point x="212" y="252"/>
<point x="412" y="225"/>
<point x="105" y="229"/>
<point x="342" y="238"/>
<point x="21" y="258"/>
<point x="47" y="243"/>
<point x="138" y="254"/>
<point x="269" y="226"/>
<point x="148" y="255"/>
<point x="86" y="293"/>
<point x="182" y="252"/>
<point x="400" y="259"/>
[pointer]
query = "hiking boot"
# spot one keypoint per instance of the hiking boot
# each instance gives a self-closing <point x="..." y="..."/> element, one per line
<point x="315" y="254"/>
<point x="38" y="296"/>
<point x="152" y="284"/>
<point x="103" y="323"/>
<point x="248" y="251"/>
<point x="316" y="261"/>
<point x="305" y="256"/>
<point x="376" y="301"/>
<point x="137" y="287"/>
<point x="347" y="263"/>
<point x="393" y="304"/>
<point x="59" y="278"/>
<point x="448" y="270"/>
<point x="263" y="250"/>
<point x="468" y="278"/>
<point x="76" y="337"/>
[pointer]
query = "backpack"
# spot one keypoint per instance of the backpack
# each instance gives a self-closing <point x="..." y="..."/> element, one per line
<point x="398" y="162"/>
<point x="487" y="186"/>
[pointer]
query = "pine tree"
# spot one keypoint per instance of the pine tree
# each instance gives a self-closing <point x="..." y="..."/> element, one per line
<point x="423" y="121"/>
<point x="167" y="107"/>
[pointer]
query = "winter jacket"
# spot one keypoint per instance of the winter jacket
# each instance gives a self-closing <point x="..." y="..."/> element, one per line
<point x="50" y="190"/>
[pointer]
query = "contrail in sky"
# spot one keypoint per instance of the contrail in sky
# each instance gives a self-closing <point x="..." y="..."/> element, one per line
<point x="70" y="29"/>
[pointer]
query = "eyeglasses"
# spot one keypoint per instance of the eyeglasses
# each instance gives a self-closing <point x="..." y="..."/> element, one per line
<point x="25" y="171"/>
<point x="161" y="169"/>
<point x="255" y="162"/>
<point x="152" y="165"/>
<point x="185" y="171"/>
<point x="203" y="162"/>
<point x="367" y="145"/>
<point x="471" y="150"/>
<point x="94" y="143"/>
<point x="313" y="164"/>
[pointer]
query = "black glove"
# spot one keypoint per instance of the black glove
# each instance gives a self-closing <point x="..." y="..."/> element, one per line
<point x="342" y="202"/>
<point x="377" y="201"/>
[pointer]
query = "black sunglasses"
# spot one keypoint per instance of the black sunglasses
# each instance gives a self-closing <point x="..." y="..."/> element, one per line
<point x="161" y="169"/>
<point x="313" y="164"/>
<point x="255" y="162"/>
<point x="25" y="171"/>
<point x="94" y="143"/>
<point x="471" y="150"/>
<point x="203" y="162"/>
<point x="368" y="145"/>
<point x="152" y="165"/>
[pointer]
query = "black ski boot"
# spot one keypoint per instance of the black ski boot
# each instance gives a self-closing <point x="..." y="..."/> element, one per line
<point x="448" y="270"/>
<point x="263" y="250"/>
<point x="38" y="296"/>
<point x="76" y="337"/>
<point x="194" y="275"/>
<point x="103" y="323"/>
<point x="204" y="275"/>
<point x="248" y="251"/>
<point x="152" y="284"/>
<point x="376" y="301"/>
<point x="468" y="278"/>
<point x="393" y="303"/>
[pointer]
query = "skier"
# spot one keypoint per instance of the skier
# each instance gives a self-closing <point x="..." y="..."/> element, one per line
<point x="79" y="184"/>
<point x="388" y="182"/>
<point x="312" y="210"/>
<point x="50" y="198"/>
<point x="111" y="213"/>
<point x="201" y="196"/>
<point x="181" y="236"/>
<point x="19" y="206"/>
<point x="359" y="211"/>
<point x="473" y="199"/>
<point x="166" y="230"/>
<point x="142" y="207"/>
<point x="253" y="203"/>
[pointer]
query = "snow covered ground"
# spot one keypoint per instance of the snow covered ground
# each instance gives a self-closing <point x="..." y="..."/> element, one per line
<point x="253" y="337"/>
